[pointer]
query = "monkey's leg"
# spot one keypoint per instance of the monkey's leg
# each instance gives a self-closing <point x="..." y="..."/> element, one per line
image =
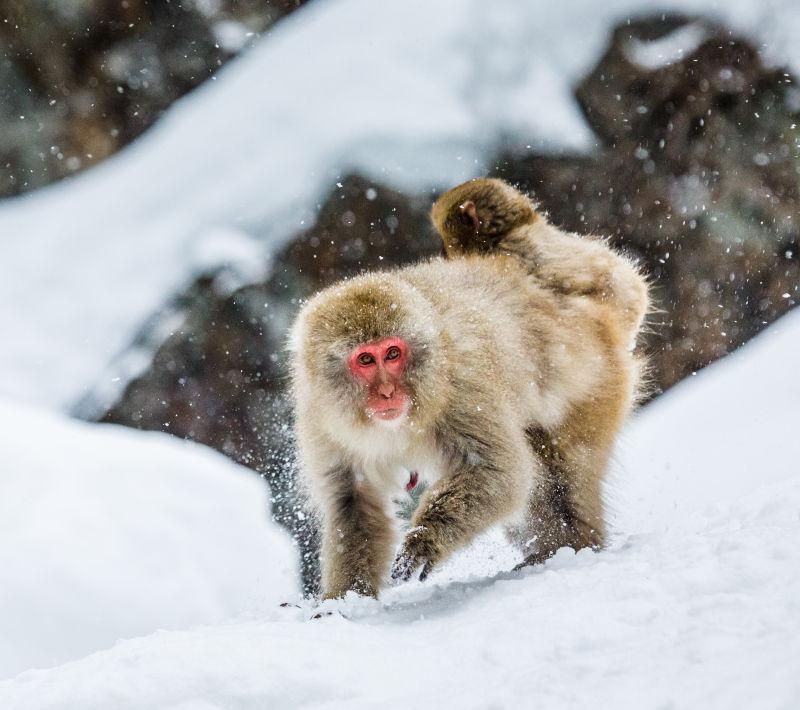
<point x="481" y="488"/>
<point x="358" y="541"/>
<point x="566" y="506"/>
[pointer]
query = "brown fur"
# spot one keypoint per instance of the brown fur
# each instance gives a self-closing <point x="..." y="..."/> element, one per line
<point x="509" y="223"/>
<point x="518" y="384"/>
<point x="566" y="507"/>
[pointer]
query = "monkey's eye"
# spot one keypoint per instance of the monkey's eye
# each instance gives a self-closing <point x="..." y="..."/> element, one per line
<point x="365" y="359"/>
<point x="393" y="353"/>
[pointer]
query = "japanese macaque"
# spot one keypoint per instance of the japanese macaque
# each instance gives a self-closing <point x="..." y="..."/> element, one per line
<point x="499" y="376"/>
<point x="488" y="216"/>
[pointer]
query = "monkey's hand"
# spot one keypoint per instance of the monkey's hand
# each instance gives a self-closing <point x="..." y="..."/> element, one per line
<point x="417" y="553"/>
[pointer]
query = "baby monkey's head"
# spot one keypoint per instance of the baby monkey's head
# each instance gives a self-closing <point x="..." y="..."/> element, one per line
<point x="476" y="215"/>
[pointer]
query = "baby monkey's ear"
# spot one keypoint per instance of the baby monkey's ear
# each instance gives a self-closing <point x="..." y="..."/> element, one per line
<point x="470" y="213"/>
<point x="475" y="217"/>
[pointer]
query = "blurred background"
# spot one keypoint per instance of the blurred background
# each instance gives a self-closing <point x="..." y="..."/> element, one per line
<point x="177" y="176"/>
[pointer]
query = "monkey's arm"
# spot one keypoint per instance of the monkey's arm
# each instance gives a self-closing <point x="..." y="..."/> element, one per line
<point x="484" y="485"/>
<point x="357" y="541"/>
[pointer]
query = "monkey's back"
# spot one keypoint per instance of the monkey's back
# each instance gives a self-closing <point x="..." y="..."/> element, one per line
<point x="477" y="298"/>
<point x="536" y="346"/>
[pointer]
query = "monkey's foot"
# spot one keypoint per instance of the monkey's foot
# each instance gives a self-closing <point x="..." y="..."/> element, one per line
<point x="417" y="553"/>
<point x="537" y="558"/>
<point x="320" y="615"/>
<point x="404" y="568"/>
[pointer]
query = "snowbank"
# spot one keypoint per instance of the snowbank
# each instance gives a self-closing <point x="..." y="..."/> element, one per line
<point x="703" y="617"/>
<point x="415" y="94"/>
<point x="716" y="437"/>
<point x="698" y="608"/>
<point x="109" y="533"/>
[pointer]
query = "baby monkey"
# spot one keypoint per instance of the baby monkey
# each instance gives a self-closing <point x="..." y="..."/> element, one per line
<point x="487" y="216"/>
<point x="500" y="376"/>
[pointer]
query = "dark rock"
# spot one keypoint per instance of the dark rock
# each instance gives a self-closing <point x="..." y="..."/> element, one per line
<point x="81" y="78"/>
<point x="697" y="173"/>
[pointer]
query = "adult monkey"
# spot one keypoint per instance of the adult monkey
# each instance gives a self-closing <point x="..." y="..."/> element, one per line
<point x="497" y="377"/>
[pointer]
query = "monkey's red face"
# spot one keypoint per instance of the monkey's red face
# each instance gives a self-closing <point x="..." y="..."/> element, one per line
<point x="381" y="367"/>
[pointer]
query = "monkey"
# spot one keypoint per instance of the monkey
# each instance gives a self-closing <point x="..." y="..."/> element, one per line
<point x="487" y="215"/>
<point x="502" y="389"/>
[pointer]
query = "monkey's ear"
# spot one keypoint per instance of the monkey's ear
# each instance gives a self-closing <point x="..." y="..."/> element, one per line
<point x="470" y="211"/>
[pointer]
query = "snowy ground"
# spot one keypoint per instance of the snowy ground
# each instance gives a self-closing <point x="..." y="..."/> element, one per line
<point x="107" y="533"/>
<point x="415" y="94"/>
<point x="695" y="604"/>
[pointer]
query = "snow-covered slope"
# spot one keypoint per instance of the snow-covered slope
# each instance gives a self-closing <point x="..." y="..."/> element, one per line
<point x="716" y="437"/>
<point x="415" y="93"/>
<point x="109" y="533"/>
<point x="705" y="617"/>
<point x="699" y="607"/>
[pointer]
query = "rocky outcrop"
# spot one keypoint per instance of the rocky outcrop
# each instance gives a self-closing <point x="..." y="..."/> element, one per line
<point x="81" y="78"/>
<point x="697" y="173"/>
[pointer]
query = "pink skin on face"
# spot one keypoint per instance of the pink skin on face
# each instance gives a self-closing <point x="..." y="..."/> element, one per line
<point x="381" y="365"/>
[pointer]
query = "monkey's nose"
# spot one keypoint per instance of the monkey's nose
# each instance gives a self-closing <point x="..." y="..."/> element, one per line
<point x="386" y="390"/>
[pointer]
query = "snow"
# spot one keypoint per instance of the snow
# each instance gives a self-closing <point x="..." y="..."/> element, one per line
<point x="695" y="604"/>
<point x="715" y="434"/>
<point x="109" y="533"/>
<point x="671" y="48"/>
<point x="415" y="94"/>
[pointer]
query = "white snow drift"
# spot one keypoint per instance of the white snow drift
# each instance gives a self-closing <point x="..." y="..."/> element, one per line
<point x="697" y="608"/>
<point x="108" y="533"/>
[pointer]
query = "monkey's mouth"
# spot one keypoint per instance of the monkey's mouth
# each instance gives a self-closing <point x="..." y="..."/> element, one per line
<point x="388" y="413"/>
<point x="388" y="410"/>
